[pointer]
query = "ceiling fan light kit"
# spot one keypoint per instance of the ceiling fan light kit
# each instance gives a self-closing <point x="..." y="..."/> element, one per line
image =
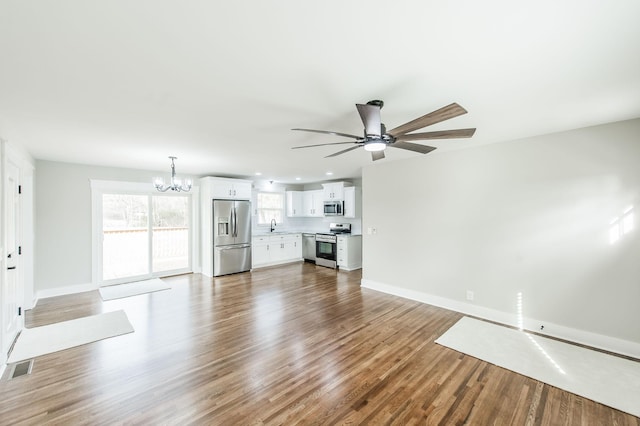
<point x="376" y="137"/>
<point x="375" y="146"/>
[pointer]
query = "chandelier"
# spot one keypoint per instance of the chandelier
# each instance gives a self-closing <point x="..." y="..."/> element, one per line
<point x="176" y="184"/>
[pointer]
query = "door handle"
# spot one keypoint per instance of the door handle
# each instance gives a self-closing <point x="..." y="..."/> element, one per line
<point x="11" y="268"/>
<point x="231" y="224"/>
<point x="235" y="222"/>
<point x="235" y="248"/>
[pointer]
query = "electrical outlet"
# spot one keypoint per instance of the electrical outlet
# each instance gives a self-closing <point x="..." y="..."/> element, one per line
<point x="469" y="295"/>
<point x="374" y="230"/>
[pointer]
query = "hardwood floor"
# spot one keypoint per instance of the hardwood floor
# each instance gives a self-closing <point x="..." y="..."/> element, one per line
<point x="292" y="344"/>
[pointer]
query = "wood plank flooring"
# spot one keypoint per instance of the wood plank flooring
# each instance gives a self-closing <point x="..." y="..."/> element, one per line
<point x="296" y="344"/>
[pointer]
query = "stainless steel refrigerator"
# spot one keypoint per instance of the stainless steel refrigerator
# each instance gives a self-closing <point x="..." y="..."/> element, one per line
<point x="231" y="237"/>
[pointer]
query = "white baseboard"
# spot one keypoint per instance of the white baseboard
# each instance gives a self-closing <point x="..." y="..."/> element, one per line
<point x="607" y="343"/>
<point x="344" y="268"/>
<point x="61" y="291"/>
<point x="280" y="262"/>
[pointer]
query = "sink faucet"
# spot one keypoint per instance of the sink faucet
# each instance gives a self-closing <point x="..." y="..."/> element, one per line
<point x="273" y="225"/>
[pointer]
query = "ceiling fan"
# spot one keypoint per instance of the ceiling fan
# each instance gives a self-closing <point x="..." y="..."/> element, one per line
<point x="376" y="137"/>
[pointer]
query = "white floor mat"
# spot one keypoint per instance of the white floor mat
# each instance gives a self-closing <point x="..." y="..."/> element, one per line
<point x="132" y="289"/>
<point x="607" y="379"/>
<point x="50" y="338"/>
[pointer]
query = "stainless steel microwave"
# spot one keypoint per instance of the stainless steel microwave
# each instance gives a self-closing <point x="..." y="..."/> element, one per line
<point x="334" y="208"/>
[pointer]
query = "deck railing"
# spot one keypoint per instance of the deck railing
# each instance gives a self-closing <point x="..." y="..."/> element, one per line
<point x="126" y="251"/>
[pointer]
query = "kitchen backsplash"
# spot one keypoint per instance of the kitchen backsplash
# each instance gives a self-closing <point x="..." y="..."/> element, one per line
<point x="309" y="224"/>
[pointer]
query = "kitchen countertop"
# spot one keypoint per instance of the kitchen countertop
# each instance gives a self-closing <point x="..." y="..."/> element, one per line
<point x="266" y="234"/>
<point x="273" y="234"/>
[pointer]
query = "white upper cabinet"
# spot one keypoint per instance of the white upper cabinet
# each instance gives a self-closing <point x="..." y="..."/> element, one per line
<point x="350" y="201"/>
<point x="234" y="189"/>
<point x="333" y="191"/>
<point x="295" y="204"/>
<point x="312" y="202"/>
<point x="305" y="203"/>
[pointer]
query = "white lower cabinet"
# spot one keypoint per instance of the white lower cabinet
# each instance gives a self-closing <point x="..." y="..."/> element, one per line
<point x="349" y="256"/>
<point x="259" y="250"/>
<point x="270" y="250"/>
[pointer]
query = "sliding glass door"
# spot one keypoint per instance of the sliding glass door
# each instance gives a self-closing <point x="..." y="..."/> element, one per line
<point x="144" y="236"/>
<point x="170" y="233"/>
<point x="125" y="227"/>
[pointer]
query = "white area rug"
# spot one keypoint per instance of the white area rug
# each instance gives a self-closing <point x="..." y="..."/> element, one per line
<point x="50" y="338"/>
<point x="132" y="289"/>
<point x="607" y="379"/>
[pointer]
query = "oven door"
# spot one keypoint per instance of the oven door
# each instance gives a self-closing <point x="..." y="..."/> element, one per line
<point x="326" y="253"/>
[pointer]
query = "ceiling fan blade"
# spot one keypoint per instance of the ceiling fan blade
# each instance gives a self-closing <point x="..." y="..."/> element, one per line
<point x="422" y="149"/>
<point x="322" y="144"/>
<point x="370" y="115"/>
<point x="444" y="113"/>
<point x="335" y="154"/>
<point x="377" y="155"/>
<point x="444" y="134"/>
<point x="328" y="132"/>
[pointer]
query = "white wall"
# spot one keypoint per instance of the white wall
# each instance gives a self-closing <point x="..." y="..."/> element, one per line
<point x="63" y="220"/>
<point x="530" y="216"/>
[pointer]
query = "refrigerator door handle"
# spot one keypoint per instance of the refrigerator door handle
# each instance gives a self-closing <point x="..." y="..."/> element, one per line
<point x="235" y="222"/>
<point x="235" y="225"/>
<point x="237" y="247"/>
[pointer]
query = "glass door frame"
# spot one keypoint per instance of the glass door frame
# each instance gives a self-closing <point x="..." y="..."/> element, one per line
<point x="101" y="187"/>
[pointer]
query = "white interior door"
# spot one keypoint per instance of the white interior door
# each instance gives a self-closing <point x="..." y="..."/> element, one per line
<point x="11" y="284"/>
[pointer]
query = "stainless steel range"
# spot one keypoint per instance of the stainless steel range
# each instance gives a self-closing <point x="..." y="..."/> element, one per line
<point x="327" y="244"/>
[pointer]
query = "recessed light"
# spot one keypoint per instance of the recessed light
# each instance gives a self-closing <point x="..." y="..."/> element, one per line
<point x="258" y="174"/>
<point x="329" y="173"/>
<point x="298" y="178"/>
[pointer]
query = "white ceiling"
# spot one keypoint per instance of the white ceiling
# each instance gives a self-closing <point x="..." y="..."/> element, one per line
<point x="127" y="83"/>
